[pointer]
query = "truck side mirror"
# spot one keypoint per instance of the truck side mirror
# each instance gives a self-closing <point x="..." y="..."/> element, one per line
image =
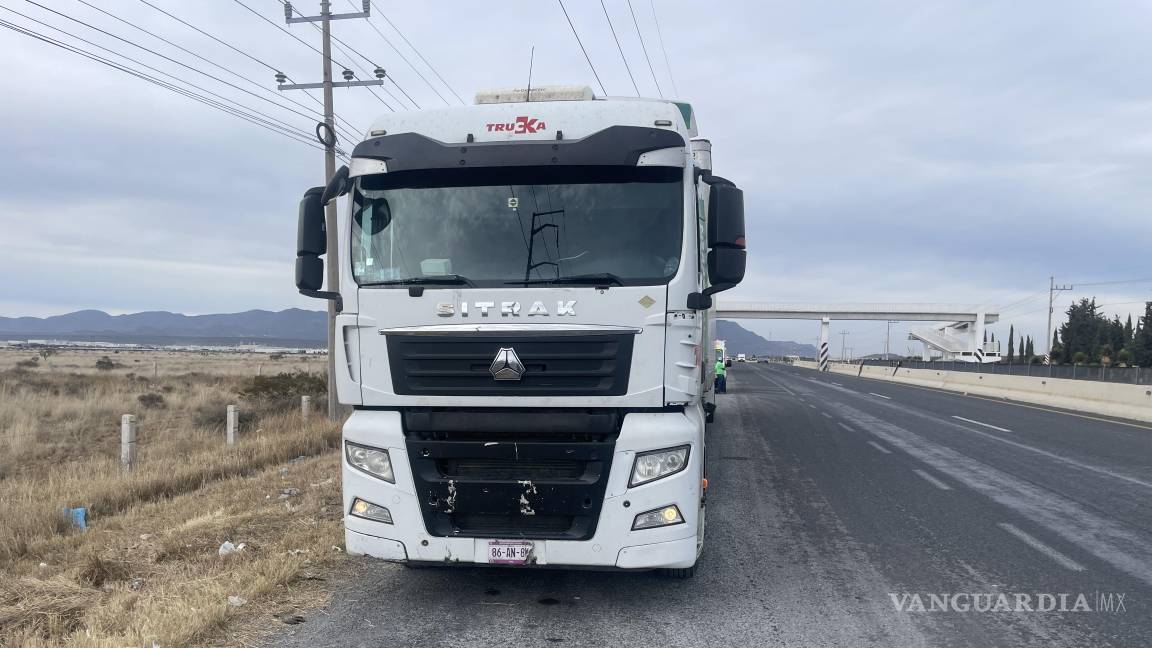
<point x="727" y="257"/>
<point x="726" y="216"/>
<point x="311" y="244"/>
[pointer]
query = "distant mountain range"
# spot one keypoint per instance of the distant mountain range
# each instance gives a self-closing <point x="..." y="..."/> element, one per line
<point x="290" y="328"/>
<point x="738" y="339"/>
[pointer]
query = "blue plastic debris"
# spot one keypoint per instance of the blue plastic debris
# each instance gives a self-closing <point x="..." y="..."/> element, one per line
<point x="78" y="516"/>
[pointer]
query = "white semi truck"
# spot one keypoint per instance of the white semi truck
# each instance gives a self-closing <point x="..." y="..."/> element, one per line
<point x="525" y="316"/>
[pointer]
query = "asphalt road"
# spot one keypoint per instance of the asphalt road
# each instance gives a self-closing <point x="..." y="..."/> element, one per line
<point x="834" y="501"/>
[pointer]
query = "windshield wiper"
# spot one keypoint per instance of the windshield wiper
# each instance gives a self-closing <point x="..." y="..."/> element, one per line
<point x="435" y="280"/>
<point x="596" y="279"/>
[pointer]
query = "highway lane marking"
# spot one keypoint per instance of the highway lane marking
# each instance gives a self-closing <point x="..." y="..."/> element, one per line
<point x="881" y="396"/>
<point x="987" y="425"/>
<point x="811" y="405"/>
<point x="826" y="414"/>
<point x="1061" y="559"/>
<point x="846" y="427"/>
<point x="837" y="384"/>
<point x="932" y="480"/>
<point x="887" y="451"/>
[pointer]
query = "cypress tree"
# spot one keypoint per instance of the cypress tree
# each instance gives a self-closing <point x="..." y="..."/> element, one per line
<point x="1022" y="349"/>
<point x="1030" y="353"/>
<point x="1011" y="343"/>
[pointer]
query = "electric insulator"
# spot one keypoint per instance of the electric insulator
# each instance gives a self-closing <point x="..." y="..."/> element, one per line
<point x="367" y="6"/>
<point x="288" y="10"/>
<point x="348" y="75"/>
<point x="281" y="77"/>
<point x="379" y="73"/>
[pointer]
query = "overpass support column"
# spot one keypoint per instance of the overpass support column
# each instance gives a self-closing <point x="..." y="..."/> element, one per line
<point x="824" y="322"/>
<point x="978" y="337"/>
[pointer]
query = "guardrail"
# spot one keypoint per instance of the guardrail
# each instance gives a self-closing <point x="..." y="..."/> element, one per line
<point x="1126" y="375"/>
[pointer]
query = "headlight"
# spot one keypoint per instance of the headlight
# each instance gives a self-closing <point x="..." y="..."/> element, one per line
<point x="373" y="461"/>
<point x="666" y="516"/>
<point x="370" y="511"/>
<point x="650" y="466"/>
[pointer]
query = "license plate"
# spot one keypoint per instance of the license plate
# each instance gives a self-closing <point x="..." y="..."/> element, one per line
<point x="509" y="552"/>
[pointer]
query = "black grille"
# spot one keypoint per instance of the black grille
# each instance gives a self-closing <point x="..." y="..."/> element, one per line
<point x="550" y="486"/>
<point x="562" y="365"/>
<point x="511" y="469"/>
<point x="514" y="525"/>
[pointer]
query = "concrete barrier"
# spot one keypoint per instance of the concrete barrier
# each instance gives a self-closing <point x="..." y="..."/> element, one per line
<point x="1096" y="397"/>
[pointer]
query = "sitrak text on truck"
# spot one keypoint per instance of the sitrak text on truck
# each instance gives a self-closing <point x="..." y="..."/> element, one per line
<point x="526" y="329"/>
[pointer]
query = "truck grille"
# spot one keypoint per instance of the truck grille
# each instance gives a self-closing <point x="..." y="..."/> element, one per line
<point x="560" y="365"/>
<point x="548" y="487"/>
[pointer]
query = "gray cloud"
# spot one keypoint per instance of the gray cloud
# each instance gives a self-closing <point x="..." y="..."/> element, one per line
<point x="890" y="151"/>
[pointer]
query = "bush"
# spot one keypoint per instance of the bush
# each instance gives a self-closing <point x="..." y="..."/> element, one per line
<point x="284" y="389"/>
<point x="214" y="416"/>
<point x="30" y="363"/>
<point x="107" y="364"/>
<point x="151" y="401"/>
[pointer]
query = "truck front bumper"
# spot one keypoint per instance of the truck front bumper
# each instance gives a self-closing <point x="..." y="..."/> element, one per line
<point x="614" y="544"/>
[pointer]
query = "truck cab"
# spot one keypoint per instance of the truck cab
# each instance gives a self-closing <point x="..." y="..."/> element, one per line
<point x="525" y="313"/>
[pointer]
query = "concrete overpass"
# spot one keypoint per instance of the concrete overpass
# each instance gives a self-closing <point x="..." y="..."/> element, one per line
<point x="976" y="316"/>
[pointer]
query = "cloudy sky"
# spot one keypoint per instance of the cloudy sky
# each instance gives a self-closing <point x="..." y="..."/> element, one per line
<point x="912" y="151"/>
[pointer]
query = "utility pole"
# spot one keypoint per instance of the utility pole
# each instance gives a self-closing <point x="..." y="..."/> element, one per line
<point x="328" y="140"/>
<point x="888" y="338"/>
<point x="1052" y="290"/>
<point x="843" y="346"/>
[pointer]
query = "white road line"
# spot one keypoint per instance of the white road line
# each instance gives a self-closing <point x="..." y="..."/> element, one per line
<point x="826" y="414"/>
<point x="811" y="405"/>
<point x="961" y="418"/>
<point x="880" y="395"/>
<point x="847" y="427"/>
<point x="884" y="450"/>
<point x="837" y="384"/>
<point x="932" y="480"/>
<point x="1056" y="556"/>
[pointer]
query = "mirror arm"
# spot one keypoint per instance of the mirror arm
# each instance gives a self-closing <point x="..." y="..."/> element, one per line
<point x="325" y="294"/>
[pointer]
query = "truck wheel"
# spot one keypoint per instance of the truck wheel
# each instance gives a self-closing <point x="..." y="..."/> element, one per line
<point x="710" y="417"/>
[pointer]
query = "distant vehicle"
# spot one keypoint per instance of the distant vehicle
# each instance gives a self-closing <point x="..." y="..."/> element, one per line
<point x="753" y="358"/>
<point x="740" y="357"/>
<point x="506" y="400"/>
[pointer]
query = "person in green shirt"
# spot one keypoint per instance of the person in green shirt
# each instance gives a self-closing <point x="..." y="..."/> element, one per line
<point x="721" y="378"/>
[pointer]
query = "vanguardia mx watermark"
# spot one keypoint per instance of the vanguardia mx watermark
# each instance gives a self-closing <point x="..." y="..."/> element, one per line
<point x="1093" y="602"/>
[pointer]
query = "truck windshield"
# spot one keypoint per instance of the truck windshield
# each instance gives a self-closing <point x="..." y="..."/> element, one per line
<point x="498" y="226"/>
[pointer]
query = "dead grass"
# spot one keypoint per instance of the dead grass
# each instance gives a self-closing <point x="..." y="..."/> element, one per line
<point x="148" y="569"/>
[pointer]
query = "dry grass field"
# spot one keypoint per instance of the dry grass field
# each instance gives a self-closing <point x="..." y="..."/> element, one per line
<point x="147" y="571"/>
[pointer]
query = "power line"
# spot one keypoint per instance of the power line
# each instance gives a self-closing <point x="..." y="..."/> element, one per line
<point x="202" y="58"/>
<point x="645" y="49"/>
<point x="251" y="112"/>
<point x="660" y="34"/>
<point x="145" y="77"/>
<point x="167" y="58"/>
<point x="430" y="66"/>
<point x="355" y="52"/>
<point x="1079" y="284"/>
<point x="401" y="55"/>
<point x="305" y="44"/>
<point x="620" y="49"/>
<point x="581" y="44"/>
<point x="241" y="52"/>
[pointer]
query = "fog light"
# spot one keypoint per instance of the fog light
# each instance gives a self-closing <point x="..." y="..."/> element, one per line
<point x="666" y="516"/>
<point x="370" y="511"/>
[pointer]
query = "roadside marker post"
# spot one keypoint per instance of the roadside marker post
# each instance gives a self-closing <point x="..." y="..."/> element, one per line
<point x="127" y="443"/>
<point x="230" y="434"/>
<point x="305" y="407"/>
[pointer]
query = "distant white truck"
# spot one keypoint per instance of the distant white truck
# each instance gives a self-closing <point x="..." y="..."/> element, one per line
<point x="740" y="357"/>
<point x="525" y="314"/>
